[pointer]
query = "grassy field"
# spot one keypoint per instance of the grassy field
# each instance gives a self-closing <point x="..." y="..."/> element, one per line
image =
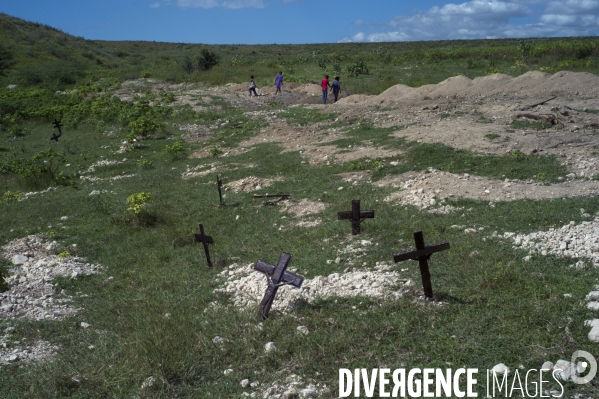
<point x="156" y="317"/>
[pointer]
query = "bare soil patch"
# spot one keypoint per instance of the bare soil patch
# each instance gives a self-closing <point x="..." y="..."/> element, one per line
<point x="431" y="190"/>
<point x="249" y="184"/>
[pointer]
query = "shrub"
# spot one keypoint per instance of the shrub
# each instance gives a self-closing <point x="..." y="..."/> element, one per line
<point x="138" y="202"/>
<point x="175" y="150"/>
<point x="358" y="68"/>
<point x="206" y="60"/>
<point x="143" y="126"/>
<point x="63" y="255"/>
<point x="9" y="196"/>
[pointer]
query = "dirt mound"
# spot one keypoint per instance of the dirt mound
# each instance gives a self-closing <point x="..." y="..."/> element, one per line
<point x="248" y="184"/>
<point x="431" y="189"/>
<point x="310" y="89"/>
<point x="530" y="84"/>
<point x="354" y="99"/>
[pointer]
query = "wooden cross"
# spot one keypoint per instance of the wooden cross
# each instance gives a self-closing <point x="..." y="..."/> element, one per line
<point x="277" y="276"/>
<point x="219" y="184"/>
<point x="356" y="216"/>
<point x="422" y="254"/>
<point x="57" y="125"/>
<point x="205" y="240"/>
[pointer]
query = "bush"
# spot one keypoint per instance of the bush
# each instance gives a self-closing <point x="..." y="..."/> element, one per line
<point x="138" y="202"/>
<point x="143" y="126"/>
<point x="357" y="69"/>
<point x="175" y="150"/>
<point x="206" y="60"/>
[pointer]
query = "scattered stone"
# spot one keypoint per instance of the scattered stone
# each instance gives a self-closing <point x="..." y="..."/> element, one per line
<point x="245" y="383"/>
<point x="84" y="325"/>
<point x="18" y="260"/>
<point x="303" y="330"/>
<point x="246" y="286"/>
<point x="270" y="347"/>
<point x="501" y="369"/>
<point x="148" y="382"/>
<point x="547" y="366"/>
<point x="218" y="340"/>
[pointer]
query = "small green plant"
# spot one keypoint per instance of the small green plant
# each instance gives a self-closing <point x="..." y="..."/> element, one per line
<point x="146" y="164"/>
<point x="215" y="151"/>
<point x="9" y="196"/>
<point x="63" y="255"/>
<point x="138" y="202"/>
<point x="175" y="150"/>
<point x="517" y="154"/>
<point x="492" y="136"/>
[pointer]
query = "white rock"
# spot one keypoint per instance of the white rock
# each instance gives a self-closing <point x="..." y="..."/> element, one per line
<point x="85" y="325"/>
<point x="218" y="340"/>
<point x="18" y="260"/>
<point x="565" y="370"/>
<point x="500" y="369"/>
<point x="270" y="347"/>
<point x="148" y="382"/>
<point x="594" y="333"/>
<point x="547" y="366"/>
<point x="303" y="329"/>
<point x="245" y="383"/>
<point x="593" y="305"/>
<point x="227" y="371"/>
<point x="308" y="393"/>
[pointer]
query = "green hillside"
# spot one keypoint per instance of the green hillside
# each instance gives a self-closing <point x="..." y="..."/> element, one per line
<point x="38" y="55"/>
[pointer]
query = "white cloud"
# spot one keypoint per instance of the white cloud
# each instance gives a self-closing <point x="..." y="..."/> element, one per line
<point x="488" y="19"/>
<point x="155" y="5"/>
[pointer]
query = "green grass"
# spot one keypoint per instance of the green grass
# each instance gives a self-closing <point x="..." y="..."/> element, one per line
<point x="302" y="116"/>
<point x="496" y="306"/>
<point x="515" y="165"/>
<point x="534" y="125"/>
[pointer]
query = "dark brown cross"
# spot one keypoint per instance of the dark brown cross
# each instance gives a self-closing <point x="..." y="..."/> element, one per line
<point x="356" y="216"/>
<point x="219" y="184"/>
<point x="422" y="254"/>
<point x="205" y="240"/>
<point x="277" y="276"/>
<point x="57" y="125"/>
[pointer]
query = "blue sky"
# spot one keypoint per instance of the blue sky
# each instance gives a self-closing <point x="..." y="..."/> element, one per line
<point x="309" y="21"/>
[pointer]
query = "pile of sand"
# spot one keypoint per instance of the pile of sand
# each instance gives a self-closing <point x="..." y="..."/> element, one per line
<point x="310" y="89"/>
<point x="530" y="84"/>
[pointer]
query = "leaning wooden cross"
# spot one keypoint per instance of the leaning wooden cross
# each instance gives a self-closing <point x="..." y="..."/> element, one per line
<point x="422" y="253"/>
<point x="57" y="125"/>
<point x="205" y="240"/>
<point x="277" y="276"/>
<point x="356" y="216"/>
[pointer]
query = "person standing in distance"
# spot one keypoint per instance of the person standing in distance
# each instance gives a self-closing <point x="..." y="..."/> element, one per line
<point x="325" y="88"/>
<point x="253" y="87"/>
<point x="279" y="82"/>
<point x="336" y="88"/>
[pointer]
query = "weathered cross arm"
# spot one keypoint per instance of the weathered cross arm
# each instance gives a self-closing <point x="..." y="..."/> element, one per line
<point x="417" y="254"/>
<point x="277" y="276"/>
<point x="288" y="277"/>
